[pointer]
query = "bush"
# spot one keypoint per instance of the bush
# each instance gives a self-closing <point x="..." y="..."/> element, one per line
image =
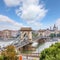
<point x="51" y="53"/>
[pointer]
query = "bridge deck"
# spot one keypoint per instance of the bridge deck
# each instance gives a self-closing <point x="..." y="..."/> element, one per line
<point x="20" y="43"/>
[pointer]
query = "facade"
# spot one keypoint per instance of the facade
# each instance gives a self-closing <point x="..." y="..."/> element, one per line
<point x="47" y="32"/>
<point x="1" y="34"/>
<point x="14" y="33"/>
<point x="8" y="34"/>
<point x="55" y="30"/>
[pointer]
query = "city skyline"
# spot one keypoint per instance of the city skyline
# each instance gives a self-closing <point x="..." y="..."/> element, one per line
<point x="37" y="14"/>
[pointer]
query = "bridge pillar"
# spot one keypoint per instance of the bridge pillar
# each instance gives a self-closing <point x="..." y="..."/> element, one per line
<point x="27" y="48"/>
<point x="26" y="33"/>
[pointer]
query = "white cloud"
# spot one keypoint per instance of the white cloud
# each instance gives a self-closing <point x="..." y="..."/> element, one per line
<point x="58" y="22"/>
<point x="12" y="3"/>
<point x="35" y="25"/>
<point x="30" y="10"/>
<point x="6" y="21"/>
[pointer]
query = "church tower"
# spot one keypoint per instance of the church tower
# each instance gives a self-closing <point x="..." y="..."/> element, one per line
<point x="55" y="28"/>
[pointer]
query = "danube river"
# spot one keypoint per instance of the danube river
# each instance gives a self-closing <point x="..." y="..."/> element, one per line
<point x="43" y="46"/>
<point x="5" y="43"/>
<point x="38" y="50"/>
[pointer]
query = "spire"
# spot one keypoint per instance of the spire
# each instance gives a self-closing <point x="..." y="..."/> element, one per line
<point x="54" y="26"/>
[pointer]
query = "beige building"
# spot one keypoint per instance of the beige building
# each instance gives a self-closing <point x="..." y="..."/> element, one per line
<point x="47" y="32"/>
<point x="6" y="33"/>
<point x="44" y="32"/>
<point x="1" y="34"/>
<point x="14" y="33"/>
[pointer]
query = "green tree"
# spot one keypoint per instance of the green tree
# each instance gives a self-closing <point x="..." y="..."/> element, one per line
<point x="52" y="35"/>
<point x="1" y="57"/>
<point x="58" y="35"/>
<point x="51" y="53"/>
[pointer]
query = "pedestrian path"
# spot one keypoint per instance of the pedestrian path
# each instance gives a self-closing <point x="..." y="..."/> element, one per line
<point x="30" y="58"/>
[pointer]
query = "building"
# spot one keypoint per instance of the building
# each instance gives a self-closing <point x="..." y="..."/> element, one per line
<point x="47" y="32"/>
<point x="55" y="28"/>
<point x="1" y="34"/>
<point x="6" y="34"/>
<point x="14" y="33"/>
<point x="27" y="32"/>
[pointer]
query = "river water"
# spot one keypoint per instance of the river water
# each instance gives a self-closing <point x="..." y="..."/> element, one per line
<point x="5" y="43"/>
<point x="43" y="46"/>
<point x="38" y="50"/>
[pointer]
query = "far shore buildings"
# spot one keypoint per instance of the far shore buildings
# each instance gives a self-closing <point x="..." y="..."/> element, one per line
<point x="8" y="33"/>
<point x="47" y="32"/>
<point x="13" y="33"/>
<point x="1" y="34"/>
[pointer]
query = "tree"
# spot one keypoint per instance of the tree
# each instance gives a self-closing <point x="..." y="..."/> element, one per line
<point x="9" y="53"/>
<point x="52" y="35"/>
<point x="58" y="35"/>
<point x="1" y="57"/>
<point x="51" y="53"/>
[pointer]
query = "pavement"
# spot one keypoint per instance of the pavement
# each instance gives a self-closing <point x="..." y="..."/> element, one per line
<point x="30" y="58"/>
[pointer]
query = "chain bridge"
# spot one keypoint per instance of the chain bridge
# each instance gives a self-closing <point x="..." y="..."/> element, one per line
<point x="26" y="36"/>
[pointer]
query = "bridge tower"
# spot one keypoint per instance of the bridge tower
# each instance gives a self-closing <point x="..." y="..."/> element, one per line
<point x="26" y="33"/>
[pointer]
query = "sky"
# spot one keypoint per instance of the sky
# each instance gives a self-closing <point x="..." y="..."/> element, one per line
<point x="37" y="14"/>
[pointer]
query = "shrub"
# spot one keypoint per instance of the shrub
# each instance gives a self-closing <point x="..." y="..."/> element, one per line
<point x="51" y="53"/>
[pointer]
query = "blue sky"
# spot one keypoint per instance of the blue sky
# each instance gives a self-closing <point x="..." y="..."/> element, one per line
<point x="38" y="14"/>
